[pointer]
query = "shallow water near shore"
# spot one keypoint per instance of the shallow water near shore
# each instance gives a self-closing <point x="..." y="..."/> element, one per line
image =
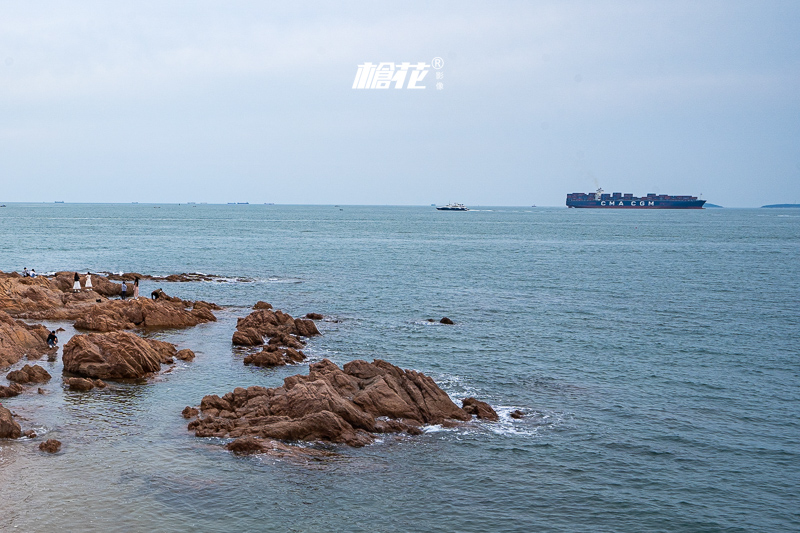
<point x="653" y="352"/>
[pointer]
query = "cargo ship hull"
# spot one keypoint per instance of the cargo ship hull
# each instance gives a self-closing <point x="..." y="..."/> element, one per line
<point x="601" y="200"/>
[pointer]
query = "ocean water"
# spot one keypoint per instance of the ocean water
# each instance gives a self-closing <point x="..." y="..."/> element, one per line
<point x="655" y="354"/>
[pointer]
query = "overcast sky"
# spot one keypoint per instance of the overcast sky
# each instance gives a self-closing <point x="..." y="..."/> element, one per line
<point x="249" y="101"/>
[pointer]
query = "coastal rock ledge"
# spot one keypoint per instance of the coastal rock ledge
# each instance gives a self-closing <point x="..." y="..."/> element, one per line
<point x="343" y="405"/>
<point x="116" y="355"/>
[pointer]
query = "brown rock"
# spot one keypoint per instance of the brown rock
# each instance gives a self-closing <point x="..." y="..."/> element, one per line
<point x="40" y="391"/>
<point x="517" y="414"/>
<point x="116" y="355"/>
<point x="15" y="389"/>
<point x="330" y="404"/>
<point x="480" y="409"/>
<point x="50" y="446"/>
<point x="247" y="337"/>
<point x="29" y="374"/>
<point x="99" y="383"/>
<point x="113" y="315"/>
<point x="314" y="316"/>
<point x="18" y="340"/>
<point x="189" y="412"/>
<point x="9" y="429"/>
<point x="31" y="434"/>
<point x="305" y="327"/>
<point x="185" y="355"/>
<point x="79" y="384"/>
<point x="446" y="320"/>
<point x="262" y="305"/>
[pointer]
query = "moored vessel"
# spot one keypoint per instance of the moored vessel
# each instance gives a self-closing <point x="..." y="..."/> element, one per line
<point x="601" y="199"/>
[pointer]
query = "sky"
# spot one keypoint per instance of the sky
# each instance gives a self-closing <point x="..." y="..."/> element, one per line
<point x="253" y="101"/>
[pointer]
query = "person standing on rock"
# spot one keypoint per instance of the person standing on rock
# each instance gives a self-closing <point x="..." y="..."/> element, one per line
<point x="76" y="287"/>
<point x="88" y="283"/>
<point x="124" y="290"/>
<point x="136" y="289"/>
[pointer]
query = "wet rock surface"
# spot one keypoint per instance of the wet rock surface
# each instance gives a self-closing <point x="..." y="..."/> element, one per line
<point x="480" y="409"/>
<point x="15" y="389"/>
<point x="29" y="374"/>
<point x="18" y="340"/>
<point x="9" y="429"/>
<point x="282" y="331"/>
<point x="50" y="446"/>
<point x="347" y="405"/>
<point x="116" y="355"/>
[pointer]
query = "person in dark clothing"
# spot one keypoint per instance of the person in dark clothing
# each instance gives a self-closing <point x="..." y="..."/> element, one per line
<point x="52" y="340"/>
<point x="124" y="290"/>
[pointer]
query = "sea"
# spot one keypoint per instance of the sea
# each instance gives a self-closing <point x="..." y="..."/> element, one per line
<point x="655" y="355"/>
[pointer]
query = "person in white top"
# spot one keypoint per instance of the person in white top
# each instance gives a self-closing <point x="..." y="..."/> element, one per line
<point x="88" y="284"/>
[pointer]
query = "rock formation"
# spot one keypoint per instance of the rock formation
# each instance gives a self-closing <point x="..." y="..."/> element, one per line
<point x="18" y="340"/>
<point x="280" y="327"/>
<point x="29" y="374"/>
<point x="9" y="429"/>
<point x="116" y="355"/>
<point x="446" y="320"/>
<point x="348" y="405"/>
<point x="15" y="389"/>
<point x="115" y="315"/>
<point x="274" y="355"/>
<point x="50" y="446"/>
<point x="480" y="409"/>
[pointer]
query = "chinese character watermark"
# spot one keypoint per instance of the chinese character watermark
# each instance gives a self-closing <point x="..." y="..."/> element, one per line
<point x="383" y="75"/>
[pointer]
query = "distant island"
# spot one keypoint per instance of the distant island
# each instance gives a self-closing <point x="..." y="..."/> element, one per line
<point x="796" y="206"/>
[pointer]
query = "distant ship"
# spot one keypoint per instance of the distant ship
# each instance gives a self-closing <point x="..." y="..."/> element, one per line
<point x="453" y="207"/>
<point x="602" y="199"/>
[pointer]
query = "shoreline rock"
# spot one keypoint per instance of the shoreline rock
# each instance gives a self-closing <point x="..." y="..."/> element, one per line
<point x="29" y="374"/>
<point x="282" y="331"/>
<point x="18" y="340"/>
<point x="9" y="429"/>
<point x="116" y="355"/>
<point x="348" y="405"/>
<point x="50" y="446"/>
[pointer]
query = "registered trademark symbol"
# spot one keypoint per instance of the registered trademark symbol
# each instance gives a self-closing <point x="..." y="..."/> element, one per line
<point x="437" y="63"/>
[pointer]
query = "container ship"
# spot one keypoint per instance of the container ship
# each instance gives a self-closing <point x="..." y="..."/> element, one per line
<point x="602" y="199"/>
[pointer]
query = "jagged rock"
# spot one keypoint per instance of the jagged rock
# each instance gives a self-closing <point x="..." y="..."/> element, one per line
<point x="99" y="383"/>
<point x="446" y="320"/>
<point x="189" y="412"/>
<point x="480" y="409"/>
<point x="18" y="340"/>
<point x="79" y="384"/>
<point x="15" y="389"/>
<point x="314" y="316"/>
<point x="262" y="305"/>
<point x="50" y="446"/>
<point x="185" y="355"/>
<point x="347" y="405"/>
<point x="517" y="414"/>
<point x="29" y="374"/>
<point x="280" y="327"/>
<point x="9" y="429"/>
<point x="113" y="315"/>
<point x="273" y="355"/>
<point x="116" y="355"/>
<point x="31" y="434"/>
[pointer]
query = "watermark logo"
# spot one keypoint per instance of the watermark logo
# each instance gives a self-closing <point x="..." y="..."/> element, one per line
<point x="403" y="75"/>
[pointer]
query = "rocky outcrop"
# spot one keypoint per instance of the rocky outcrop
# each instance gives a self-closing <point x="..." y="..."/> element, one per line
<point x="446" y="320"/>
<point x="189" y="412"/>
<point x="113" y="315"/>
<point x="279" y="327"/>
<point x="50" y="446"/>
<point x="314" y="316"/>
<point x="480" y="409"/>
<point x="262" y="305"/>
<point x="185" y="355"/>
<point x="116" y="355"/>
<point x="29" y="374"/>
<point x="18" y="340"/>
<point x="346" y="405"/>
<point x="517" y="414"/>
<point x="15" y="389"/>
<point x="84" y="384"/>
<point x="273" y="355"/>
<point x="9" y="429"/>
